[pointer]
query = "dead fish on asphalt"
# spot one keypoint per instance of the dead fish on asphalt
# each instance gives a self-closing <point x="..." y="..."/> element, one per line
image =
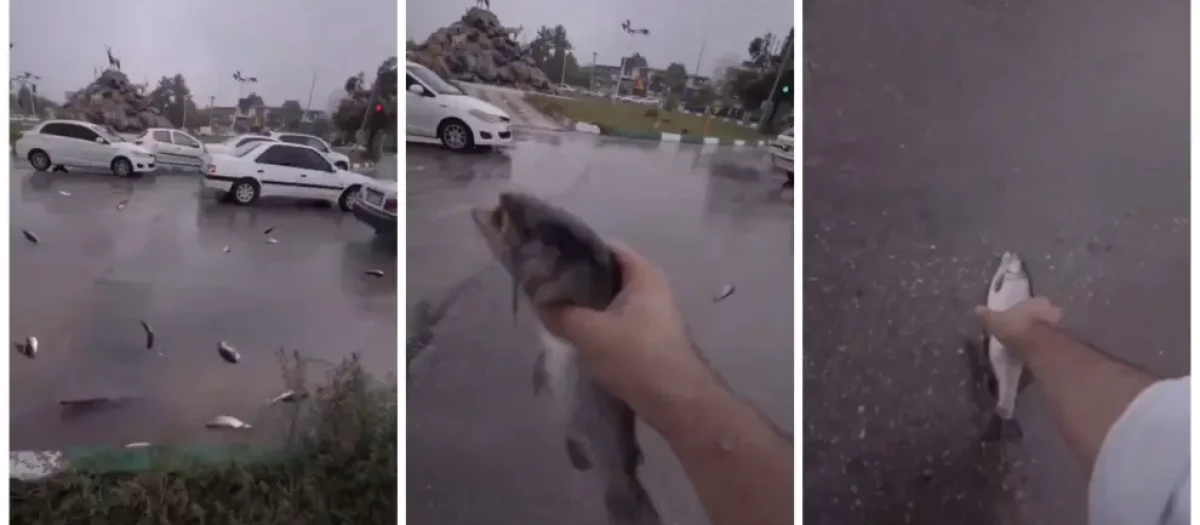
<point x="1009" y="286"/>
<point x="149" y="335"/>
<point x="64" y="193"/>
<point x="30" y="236"/>
<point x="556" y="259"/>
<point x="29" y="348"/>
<point x="290" y="396"/>
<point x="272" y="241"/>
<point x="228" y="352"/>
<point x="121" y="205"/>
<point x="726" y="291"/>
<point x="227" y="250"/>
<point x="374" y="273"/>
<point x="226" y="422"/>
<point x="137" y="444"/>
<point x="268" y="230"/>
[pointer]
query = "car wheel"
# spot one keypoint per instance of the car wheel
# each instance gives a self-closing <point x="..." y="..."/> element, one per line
<point x="244" y="192"/>
<point x="342" y="166"/>
<point x="456" y="135"/>
<point x="346" y="201"/>
<point x="122" y="167"/>
<point x="39" y="159"/>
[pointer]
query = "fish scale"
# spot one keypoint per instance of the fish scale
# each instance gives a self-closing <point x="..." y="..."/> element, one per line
<point x="1009" y="286"/>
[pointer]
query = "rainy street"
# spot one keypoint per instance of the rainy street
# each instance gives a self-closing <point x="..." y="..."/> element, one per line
<point x="1058" y="130"/>
<point x="481" y="448"/>
<point x="99" y="270"/>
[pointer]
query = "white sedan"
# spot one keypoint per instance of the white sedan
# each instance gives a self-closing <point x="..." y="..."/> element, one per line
<point x="231" y="144"/>
<point x="338" y="159"/>
<point x="277" y="169"/>
<point x="783" y="151"/>
<point x="79" y="144"/>
<point x="173" y="148"/>
<point x="437" y="110"/>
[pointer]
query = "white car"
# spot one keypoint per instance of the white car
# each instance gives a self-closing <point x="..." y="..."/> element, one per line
<point x="74" y="143"/>
<point x="438" y="110"/>
<point x="341" y="161"/>
<point x="277" y="169"/>
<point x="375" y="205"/>
<point x="231" y="144"/>
<point x="783" y="151"/>
<point x="173" y="148"/>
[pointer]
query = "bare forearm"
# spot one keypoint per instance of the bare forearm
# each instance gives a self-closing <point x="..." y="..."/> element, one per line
<point x="1087" y="389"/>
<point x="739" y="464"/>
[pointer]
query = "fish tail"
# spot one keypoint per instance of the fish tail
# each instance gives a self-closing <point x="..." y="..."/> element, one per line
<point x="628" y="503"/>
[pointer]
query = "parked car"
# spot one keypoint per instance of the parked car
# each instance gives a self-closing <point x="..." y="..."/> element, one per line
<point x="375" y="206"/>
<point x="338" y="159"/>
<point x="277" y="169"/>
<point x="173" y="148"/>
<point x="438" y="110"/>
<point x="74" y="143"/>
<point x="231" y="144"/>
<point x="783" y="153"/>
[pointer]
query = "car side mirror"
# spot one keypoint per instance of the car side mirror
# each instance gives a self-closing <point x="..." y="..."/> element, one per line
<point x="417" y="89"/>
<point x="100" y="140"/>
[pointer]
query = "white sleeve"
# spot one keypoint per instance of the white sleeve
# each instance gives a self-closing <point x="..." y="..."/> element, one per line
<point x="1142" y="475"/>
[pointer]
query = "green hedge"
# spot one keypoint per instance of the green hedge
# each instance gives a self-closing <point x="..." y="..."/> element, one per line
<point x="337" y="466"/>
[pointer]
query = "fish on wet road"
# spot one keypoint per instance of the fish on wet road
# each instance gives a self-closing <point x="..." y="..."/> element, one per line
<point x="228" y="352"/>
<point x="149" y="335"/>
<point x="1010" y="285"/>
<point x="226" y="422"/>
<point x="556" y="259"/>
<point x="29" y="236"/>
<point x="28" y="348"/>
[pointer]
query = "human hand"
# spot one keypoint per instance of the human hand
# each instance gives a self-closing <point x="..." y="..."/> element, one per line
<point x="640" y="342"/>
<point x="1011" y="325"/>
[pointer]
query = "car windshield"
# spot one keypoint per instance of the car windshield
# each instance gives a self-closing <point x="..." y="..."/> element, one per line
<point x="432" y="81"/>
<point x="242" y="150"/>
<point x="106" y="134"/>
<point x="305" y="140"/>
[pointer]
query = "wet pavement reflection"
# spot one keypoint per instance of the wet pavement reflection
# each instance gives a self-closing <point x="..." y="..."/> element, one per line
<point x="708" y="216"/>
<point x="1026" y="126"/>
<point x="99" y="270"/>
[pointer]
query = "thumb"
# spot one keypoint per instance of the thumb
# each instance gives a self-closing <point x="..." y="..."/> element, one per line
<point x="574" y="322"/>
<point x="984" y="313"/>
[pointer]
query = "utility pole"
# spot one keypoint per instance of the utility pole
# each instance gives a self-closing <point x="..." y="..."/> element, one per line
<point x="768" y="115"/>
<point x="592" y="82"/>
<point x="563" y="77"/>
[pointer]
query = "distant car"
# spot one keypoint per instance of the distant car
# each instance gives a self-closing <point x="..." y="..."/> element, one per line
<point x="375" y="205"/>
<point x="338" y="159"/>
<point x="231" y="144"/>
<point x="783" y="152"/>
<point x="173" y="148"/>
<point x="74" y="143"/>
<point x="276" y="169"/>
<point x="438" y="110"/>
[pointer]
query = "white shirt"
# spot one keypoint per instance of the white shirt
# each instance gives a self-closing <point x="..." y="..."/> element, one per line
<point x="1143" y="475"/>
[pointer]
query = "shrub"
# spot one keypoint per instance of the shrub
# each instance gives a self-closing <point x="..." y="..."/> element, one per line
<point x="651" y="113"/>
<point x="337" y="466"/>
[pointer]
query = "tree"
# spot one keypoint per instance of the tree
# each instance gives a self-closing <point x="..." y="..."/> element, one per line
<point x="361" y="100"/>
<point x="250" y="101"/>
<point x="174" y="101"/>
<point x="541" y="46"/>
<point x="635" y="61"/>
<point x="676" y="77"/>
<point x="290" y="113"/>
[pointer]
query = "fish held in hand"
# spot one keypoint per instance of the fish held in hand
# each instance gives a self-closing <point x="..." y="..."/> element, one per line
<point x="555" y="259"/>
<point x="1010" y="285"/>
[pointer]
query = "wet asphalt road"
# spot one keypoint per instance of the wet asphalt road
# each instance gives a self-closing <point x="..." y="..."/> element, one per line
<point x="98" y="271"/>
<point x="480" y="446"/>
<point x="939" y="134"/>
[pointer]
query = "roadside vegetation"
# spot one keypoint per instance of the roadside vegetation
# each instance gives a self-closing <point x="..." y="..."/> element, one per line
<point x="625" y="118"/>
<point x="336" y="465"/>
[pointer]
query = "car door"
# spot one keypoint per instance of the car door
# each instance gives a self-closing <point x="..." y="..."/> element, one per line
<point x="189" y="150"/>
<point x="320" y="179"/>
<point x="166" y="152"/>
<point x="57" y="140"/>
<point x="419" y="109"/>
<point x="279" y="169"/>
<point x="91" y="153"/>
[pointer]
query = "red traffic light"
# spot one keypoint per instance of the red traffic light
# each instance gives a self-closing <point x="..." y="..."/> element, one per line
<point x="379" y="108"/>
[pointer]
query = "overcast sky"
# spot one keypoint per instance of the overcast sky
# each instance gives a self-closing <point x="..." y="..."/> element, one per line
<point x="678" y="28"/>
<point x="279" y="41"/>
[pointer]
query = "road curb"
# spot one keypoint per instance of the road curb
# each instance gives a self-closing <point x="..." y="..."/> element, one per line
<point x="585" y="127"/>
<point x="30" y="465"/>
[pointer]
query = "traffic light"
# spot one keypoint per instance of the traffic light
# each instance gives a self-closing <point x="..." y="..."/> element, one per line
<point x="785" y="92"/>
<point x="379" y="108"/>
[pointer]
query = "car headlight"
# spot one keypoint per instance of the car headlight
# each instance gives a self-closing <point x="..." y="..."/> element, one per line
<point x="484" y="116"/>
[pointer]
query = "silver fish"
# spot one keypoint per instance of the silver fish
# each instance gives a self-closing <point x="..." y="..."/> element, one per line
<point x="290" y="396"/>
<point x="226" y="422"/>
<point x="149" y="335"/>
<point x="121" y="205"/>
<point x="272" y="241"/>
<point x="29" y="236"/>
<point x="64" y="193"/>
<point x="29" y="348"/>
<point x="530" y="237"/>
<point x="374" y="273"/>
<point x="227" y="250"/>
<point x="137" y="444"/>
<point x="228" y="352"/>
<point x="726" y="291"/>
<point x="268" y="230"/>
<point x="1010" y="285"/>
